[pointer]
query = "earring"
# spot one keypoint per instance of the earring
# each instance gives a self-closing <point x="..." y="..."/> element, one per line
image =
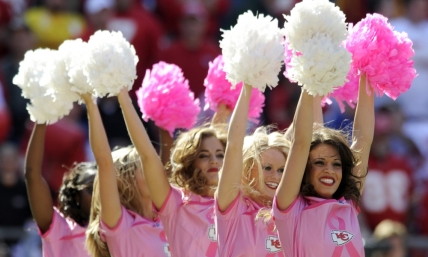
<point x="78" y="204"/>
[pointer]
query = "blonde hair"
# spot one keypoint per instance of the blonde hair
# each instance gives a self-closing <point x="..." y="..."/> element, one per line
<point x="254" y="145"/>
<point x="126" y="162"/>
<point x="185" y="151"/>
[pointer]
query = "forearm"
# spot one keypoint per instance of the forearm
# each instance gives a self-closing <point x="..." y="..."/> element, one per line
<point x="39" y="195"/>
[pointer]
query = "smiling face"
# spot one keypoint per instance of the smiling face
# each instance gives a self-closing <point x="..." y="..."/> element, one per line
<point x="325" y="172"/>
<point x="209" y="159"/>
<point x="272" y="162"/>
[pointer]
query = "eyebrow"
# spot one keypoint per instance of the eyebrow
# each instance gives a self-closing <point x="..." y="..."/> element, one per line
<point x="206" y="151"/>
<point x="322" y="158"/>
<point x="270" y="164"/>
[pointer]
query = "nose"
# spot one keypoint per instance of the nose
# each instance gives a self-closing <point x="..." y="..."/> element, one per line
<point x="329" y="168"/>
<point x="213" y="159"/>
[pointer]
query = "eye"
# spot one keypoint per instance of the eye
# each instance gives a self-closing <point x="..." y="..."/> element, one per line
<point x="267" y="168"/>
<point x="319" y="163"/>
<point x="337" y="164"/>
<point x="281" y="170"/>
<point x="202" y="156"/>
<point x="220" y="155"/>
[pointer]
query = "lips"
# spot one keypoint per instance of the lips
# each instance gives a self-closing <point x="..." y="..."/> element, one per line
<point x="327" y="181"/>
<point x="213" y="170"/>
<point x="272" y="185"/>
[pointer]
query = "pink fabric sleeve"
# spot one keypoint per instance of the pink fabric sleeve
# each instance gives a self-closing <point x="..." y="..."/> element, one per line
<point x="125" y="222"/>
<point x="57" y="229"/>
<point x="295" y="208"/>
<point x="172" y="202"/>
<point x="236" y="208"/>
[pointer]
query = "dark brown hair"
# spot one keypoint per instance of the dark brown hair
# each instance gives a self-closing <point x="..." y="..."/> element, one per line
<point x="349" y="186"/>
<point x="80" y="177"/>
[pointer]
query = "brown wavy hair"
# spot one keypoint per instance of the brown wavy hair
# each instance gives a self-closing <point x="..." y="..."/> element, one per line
<point x="349" y="186"/>
<point x="185" y="151"/>
<point x="80" y="177"/>
<point x="126" y="162"/>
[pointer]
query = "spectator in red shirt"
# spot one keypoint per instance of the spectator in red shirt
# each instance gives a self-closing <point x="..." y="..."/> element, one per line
<point x="192" y="51"/>
<point x="4" y="117"/>
<point x="142" y="30"/>
<point x="98" y="14"/>
<point x="389" y="183"/>
<point x="171" y="14"/>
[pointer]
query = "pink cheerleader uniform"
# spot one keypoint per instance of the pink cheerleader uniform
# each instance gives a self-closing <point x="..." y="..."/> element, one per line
<point x="135" y="236"/>
<point x="313" y="226"/>
<point x="239" y="234"/>
<point x="64" y="238"/>
<point x="188" y="220"/>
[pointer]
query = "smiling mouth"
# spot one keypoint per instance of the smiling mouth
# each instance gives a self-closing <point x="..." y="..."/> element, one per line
<point x="327" y="181"/>
<point x="272" y="185"/>
<point x="213" y="170"/>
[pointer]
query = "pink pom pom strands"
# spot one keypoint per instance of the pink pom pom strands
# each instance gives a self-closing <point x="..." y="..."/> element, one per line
<point x="382" y="54"/>
<point x="219" y="90"/>
<point x="166" y="99"/>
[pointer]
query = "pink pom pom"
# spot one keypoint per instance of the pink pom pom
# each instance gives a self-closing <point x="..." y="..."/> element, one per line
<point x="348" y="93"/>
<point x="288" y="54"/>
<point x="382" y="54"/>
<point x="166" y="99"/>
<point x="219" y="91"/>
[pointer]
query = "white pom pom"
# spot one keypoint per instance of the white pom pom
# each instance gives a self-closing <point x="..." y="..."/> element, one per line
<point x="48" y="109"/>
<point x="31" y="70"/>
<point x="252" y="51"/>
<point x="111" y="63"/>
<point x="48" y="104"/>
<point x="75" y="52"/>
<point x="311" y="17"/>
<point x="322" y="67"/>
<point x="55" y="79"/>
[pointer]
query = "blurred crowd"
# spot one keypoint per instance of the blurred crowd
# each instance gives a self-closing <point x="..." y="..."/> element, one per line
<point x="394" y="209"/>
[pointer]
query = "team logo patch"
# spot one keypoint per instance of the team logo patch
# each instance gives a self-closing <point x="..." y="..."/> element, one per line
<point x="273" y="245"/>
<point x="212" y="233"/>
<point x="341" y="237"/>
<point x="166" y="250"/>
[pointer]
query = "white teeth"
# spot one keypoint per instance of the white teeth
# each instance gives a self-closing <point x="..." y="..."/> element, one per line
<point x="272" y="185"/>
<point x="327" y="180"/>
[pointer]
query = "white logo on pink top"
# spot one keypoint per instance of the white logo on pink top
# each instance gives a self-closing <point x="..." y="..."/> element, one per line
<point x="166" y="250"/>
<point x="212" y="233"/>
<point x="273" y="245"/>
<point x="341" y="237"/>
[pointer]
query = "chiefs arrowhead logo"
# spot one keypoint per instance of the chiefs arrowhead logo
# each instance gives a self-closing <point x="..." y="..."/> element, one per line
<point x="212" y="233"/>
<point x="273" y="245"/>
<point x="341" y="237"/>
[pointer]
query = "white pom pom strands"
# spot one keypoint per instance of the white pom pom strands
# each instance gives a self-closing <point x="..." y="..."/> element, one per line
<point x="48" y="104"/>
<point x="74" y="54"/>
<point x="252" y="51"/>
<point x="315" y="30"/>
<point x="111" y="63"/>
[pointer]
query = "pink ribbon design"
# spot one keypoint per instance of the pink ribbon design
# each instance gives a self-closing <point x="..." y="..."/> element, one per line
<point x="271" y="227"/>
<point x="212" y="248"/>
<point x="342" y="226"/>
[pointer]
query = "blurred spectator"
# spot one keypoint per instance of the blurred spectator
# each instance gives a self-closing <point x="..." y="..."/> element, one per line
<point x="192" y="51"/>
<point x="142" y="30"/>
<point x="14" y="206"/>
<point x="98" y="14"/>
<point x="20" y="40"/>
<point x="354" y="10"/>
<point x="388" y="8"/>
<point x="53" y="23"/>
<point x="389" y="183"/>
<point x="6" y="14"/>
<point x="170" y="12"/>
<point x="65" y="144"/>
<point x="394" y="235"/>
<point x="414" y="102"/>
<point x="281" y="103"/>
<point x="4" y="117"/>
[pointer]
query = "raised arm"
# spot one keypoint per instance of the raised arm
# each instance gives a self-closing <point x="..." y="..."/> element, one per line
<point x="363" y="130"/>
<point x="166" y="142"/>
<point x="154" y="172"/>
<point x="289" y="187"/>
<point x="221" y="115"/>
<point x="39" y="194"/>
<point x="111" y="210"/>
<point x="231" y="173"/>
